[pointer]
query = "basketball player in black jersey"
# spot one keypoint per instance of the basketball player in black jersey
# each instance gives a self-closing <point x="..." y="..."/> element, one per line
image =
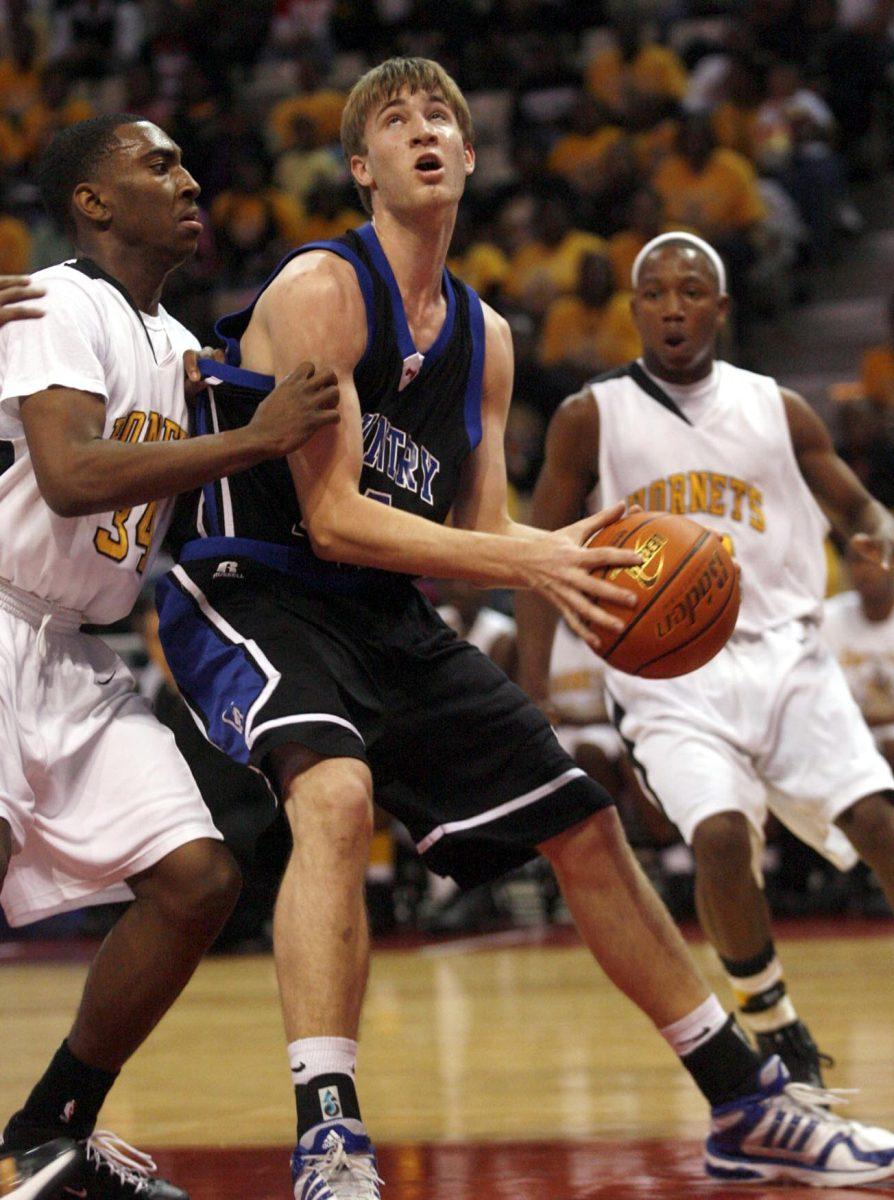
<point x="297" y="636"/>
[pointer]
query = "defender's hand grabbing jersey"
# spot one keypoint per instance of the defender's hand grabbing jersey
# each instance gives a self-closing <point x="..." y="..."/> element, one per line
<point x="92" y="786"/>
<point x="271" y="645"/>
<point x="771" y="710"/>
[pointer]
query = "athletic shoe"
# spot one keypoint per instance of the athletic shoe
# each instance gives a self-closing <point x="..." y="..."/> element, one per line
<point x="335" y="1161"/>
<point x="784" y="1132"/>
<point x="798" y="1051"/>
<point x="38" y="1174"/>
<point x="115" y="1171"/>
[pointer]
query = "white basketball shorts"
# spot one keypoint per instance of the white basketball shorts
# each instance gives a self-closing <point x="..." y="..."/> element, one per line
<point x="93" y="787"/>
<point x="769" y="723"/>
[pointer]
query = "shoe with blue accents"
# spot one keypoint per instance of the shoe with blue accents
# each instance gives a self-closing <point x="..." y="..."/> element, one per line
<point x="335" y="1161"/>
<point x="785" y="1131"/>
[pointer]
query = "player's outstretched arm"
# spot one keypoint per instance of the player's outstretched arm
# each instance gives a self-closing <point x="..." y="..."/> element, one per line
<point x="567" y="477"/>
<point x="80" y="472"/>
<point x="15" y="292"/>
<point x="316" y="303"/>
<point x="854" y="512"/>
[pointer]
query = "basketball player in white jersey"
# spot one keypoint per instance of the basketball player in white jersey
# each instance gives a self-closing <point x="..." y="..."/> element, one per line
<point x="769" y="723"/>
<point x="95" y="801"/>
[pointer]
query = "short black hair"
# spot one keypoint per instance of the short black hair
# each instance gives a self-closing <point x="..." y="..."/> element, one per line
<point x="71" y="157"/>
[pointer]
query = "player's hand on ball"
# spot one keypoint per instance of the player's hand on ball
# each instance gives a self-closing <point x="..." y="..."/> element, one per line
<point x="877" y="548"/>
<point x="297" y="408"/>
<point x="13" y="290"/>
<point x="568" y="581"/>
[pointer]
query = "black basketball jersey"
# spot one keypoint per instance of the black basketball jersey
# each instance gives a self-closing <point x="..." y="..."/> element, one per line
<point x="421" y="419"/>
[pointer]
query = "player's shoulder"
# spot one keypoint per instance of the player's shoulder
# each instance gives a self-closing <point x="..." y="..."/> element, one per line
<point x="734" y="376"/>
<point x="64" y="280"/>
<point x="613" y="384"/>
<point x="315" y="277"/>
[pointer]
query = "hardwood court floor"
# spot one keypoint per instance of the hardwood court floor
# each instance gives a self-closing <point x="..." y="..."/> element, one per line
<point x="503" y="1067"/>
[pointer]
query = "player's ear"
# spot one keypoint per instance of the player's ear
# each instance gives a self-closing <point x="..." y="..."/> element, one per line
<point x="469" y="157"/>
<point x="360" y="170"/>
<point x="89" y="204"/>
<point x="722" y="309"/>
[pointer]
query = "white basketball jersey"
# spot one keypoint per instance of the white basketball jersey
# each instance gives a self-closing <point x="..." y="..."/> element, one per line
<point x="91" y="339"/>
<point x="730" y="467"/>
<point x="865" y="651"/>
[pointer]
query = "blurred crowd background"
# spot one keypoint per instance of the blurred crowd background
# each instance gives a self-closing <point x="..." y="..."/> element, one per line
<point x="766" y="126"/>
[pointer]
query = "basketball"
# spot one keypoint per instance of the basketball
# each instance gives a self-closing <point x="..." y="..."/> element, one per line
<point x="687" y="591"/>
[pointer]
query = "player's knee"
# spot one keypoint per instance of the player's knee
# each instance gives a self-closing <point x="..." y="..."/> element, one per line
<point x="333" y="807"/>
<point x="870" y="822"/>
<point x="722" y="842"/>
<point x="579" y="850"/>
<point x="197" y="884"/>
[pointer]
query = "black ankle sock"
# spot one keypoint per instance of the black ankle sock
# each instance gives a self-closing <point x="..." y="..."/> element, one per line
<point x="326" y="1098"/>
<point x="65" y="1102"/>
<point x="725" y="1067"/>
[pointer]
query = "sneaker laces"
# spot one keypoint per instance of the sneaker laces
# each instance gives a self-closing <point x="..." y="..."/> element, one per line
<point x="125" y="1162"/>
<point x="817" y="1101"/>
<point x="359" y="1166"/>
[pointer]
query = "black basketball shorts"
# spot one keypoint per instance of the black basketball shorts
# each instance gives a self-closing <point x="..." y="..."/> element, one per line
<point x="457" y="752"/>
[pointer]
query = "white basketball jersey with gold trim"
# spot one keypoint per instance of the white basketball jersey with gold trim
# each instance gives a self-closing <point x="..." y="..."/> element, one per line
<point x="91" y="339"/>
<point x="728" y="464"/>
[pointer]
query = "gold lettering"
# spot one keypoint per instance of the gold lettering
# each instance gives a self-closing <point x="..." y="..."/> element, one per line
<point x="739" y="489"/>
<point x="658" y="495"/>
<point x="756" y="520"/>
<point x="637" y="497"/>
<point x="698" y="491"/>
<point x="677" y="493"/>
<point x="718" y="487"/>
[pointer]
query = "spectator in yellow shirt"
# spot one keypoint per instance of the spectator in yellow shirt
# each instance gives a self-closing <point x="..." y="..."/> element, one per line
<point x="19" y="74"/>
<point x="304" y="160"/>
<point x="877" y="368"/>
<point x="547" y="267"/>
<point x="254" y="223"/>
<point x="328" y="215"/>
<point x="579" y="155"/>
<point x="477" y="261"/>
<point x="645" y="220"/>
<point x="593" y="330"/>
<point x="634" y="76"/>
<point x="53" y="110"/>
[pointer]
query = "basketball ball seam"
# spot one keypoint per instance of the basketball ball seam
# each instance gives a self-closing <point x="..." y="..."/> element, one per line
<point x="710" y="625"/>
<point x="696" y="546"/>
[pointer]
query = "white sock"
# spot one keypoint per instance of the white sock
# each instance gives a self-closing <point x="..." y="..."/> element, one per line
<point x="698" y="1027"/>
<point x="309" y="1057"/>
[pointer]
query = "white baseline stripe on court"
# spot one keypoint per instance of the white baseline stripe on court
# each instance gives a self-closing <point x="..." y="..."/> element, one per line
<point x="502" y="810"/>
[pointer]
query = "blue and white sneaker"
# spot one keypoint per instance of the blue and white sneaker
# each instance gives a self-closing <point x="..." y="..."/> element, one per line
<point x="785" y="1131"/>
<point x="335" y="1161"/>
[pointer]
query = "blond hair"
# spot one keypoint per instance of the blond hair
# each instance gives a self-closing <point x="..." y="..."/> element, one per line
<point x="382" y="84"/>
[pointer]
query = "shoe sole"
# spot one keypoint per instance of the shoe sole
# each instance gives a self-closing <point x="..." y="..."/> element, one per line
<point x="748" y="1170"/>
<point x="56" y="1172"/>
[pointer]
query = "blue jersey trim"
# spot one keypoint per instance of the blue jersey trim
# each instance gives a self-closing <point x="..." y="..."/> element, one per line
<point x="301" y="563"/>
<point x="209" y="491"/>
<point x="218" y="668"/>
<point x="474" y="383"/>
<point x="405" y="344"/>
<point x="236" y="375"/>
<point x="237" y="322"/>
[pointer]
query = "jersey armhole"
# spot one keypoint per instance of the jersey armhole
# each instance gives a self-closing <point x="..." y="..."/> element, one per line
<point x="472" y="402"/>
<point x="231" y="327"/>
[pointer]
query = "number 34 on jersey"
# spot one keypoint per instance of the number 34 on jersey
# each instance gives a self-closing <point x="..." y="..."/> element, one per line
<point x="135" y="526"/>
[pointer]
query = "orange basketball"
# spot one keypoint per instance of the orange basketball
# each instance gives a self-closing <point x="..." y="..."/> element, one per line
<point x="687" y="592"/>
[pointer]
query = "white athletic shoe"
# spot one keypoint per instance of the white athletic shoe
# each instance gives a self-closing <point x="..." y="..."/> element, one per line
<point x="335" y="1161"/>
<point x="785" y="1131"/>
